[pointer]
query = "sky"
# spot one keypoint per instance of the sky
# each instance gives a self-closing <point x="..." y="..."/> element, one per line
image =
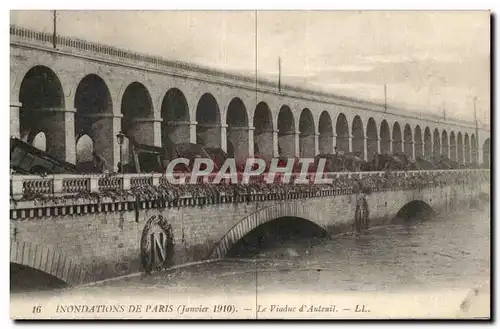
<point x="434" y="62"/>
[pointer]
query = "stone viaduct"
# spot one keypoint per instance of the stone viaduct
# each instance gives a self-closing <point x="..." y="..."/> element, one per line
<point x="83" y="93"/>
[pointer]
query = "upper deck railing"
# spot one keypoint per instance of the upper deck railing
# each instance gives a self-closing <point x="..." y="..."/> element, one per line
<point x="127" y="56"/>
<point x="57" y="185"/>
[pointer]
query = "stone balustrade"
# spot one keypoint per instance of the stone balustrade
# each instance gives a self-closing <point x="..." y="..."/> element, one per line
<point x="22" y="185"/>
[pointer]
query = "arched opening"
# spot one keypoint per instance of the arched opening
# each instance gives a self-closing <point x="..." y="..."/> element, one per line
<point x="42" y="98"/>
<point x="94" y="106"/>
<point x="274" y="234"/>
<point x="137" y="120"/>
<point x="237" y="129"/>
<point x="325" y="142"/>
<point x="25" y="279"/>
<point x="175" y="127"/>
<point x="372" y="141"/>
<point x="460" y="148"/>
<point x="487" y="152"/>
<point x="427" y="143"/>
<point x="40" y="141"/>
<point x="286" y="132"/>
<point x="473" y="147"/>
<point x="396" y="138"/>
<point x="385" y="138"/>
<point x="436" y="151"/>
<point x="444" y="144"/>
<point x="414" y="211"/>
<point x="466" y="148"/>
<point x="408" y="141"/>
<point x="263" y="133"/>
<point x="358" y="137"/>
<point x="208" y="117"/>
<point x="342" y="129"/>
<point x="84" y="150"/>
<point x="453" y="147"/>
<point x="307" y="134"/>
<point x="137" y="110"/>
<point x="418" y="142"/>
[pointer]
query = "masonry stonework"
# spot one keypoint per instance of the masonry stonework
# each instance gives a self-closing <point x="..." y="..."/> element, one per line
<point x="103" y="245"/>
<point x="71" y="65"/>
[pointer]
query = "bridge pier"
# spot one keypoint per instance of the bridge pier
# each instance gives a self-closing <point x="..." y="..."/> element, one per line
<point x="325" y="143"/>
<point x="59" y="125"/>
<point x="365" y="148"/>
<point x="267" y="143"/>
<point x="316" y="143"/>
<point x="146" y="131"/>
<point x="223" y="139"/>
<point x="275" y="144"/>
<point x="289" y="144"/>
<point x="242" y="140"/>
<point x="307" y="145"/>
<point x="104" y="131"/>
<point x="192" y="132"/>
<point x="179" y="131"/>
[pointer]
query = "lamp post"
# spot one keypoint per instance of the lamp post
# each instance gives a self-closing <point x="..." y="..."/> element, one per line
<point x="121" y="138"/>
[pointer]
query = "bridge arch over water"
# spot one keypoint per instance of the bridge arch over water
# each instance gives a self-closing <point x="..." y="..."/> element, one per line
<point x="48" y="261"/>
<point x="261" y="217"/>
<point x="287" y="213"/>
<point x="414" y="210"/>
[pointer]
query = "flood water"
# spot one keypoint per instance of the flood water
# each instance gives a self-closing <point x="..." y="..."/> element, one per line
<point x="448" y="251"/>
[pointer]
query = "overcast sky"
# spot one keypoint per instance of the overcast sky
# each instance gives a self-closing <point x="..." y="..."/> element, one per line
<point x="428" y="60"/>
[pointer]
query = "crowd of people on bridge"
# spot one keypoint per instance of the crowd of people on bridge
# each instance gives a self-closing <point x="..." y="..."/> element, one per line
<point x="339" y="186"/>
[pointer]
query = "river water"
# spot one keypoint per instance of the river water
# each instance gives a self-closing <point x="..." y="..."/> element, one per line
<point x="448" y="253"/>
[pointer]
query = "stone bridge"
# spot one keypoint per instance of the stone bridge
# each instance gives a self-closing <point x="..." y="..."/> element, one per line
<point x="76" y="97"/>
<point x="79" y="238"/>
